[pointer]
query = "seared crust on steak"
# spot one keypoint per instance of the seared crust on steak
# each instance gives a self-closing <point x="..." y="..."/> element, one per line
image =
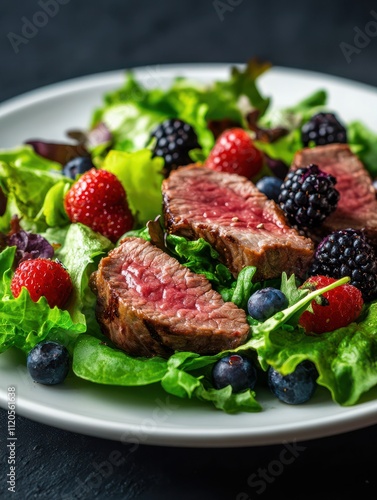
<point x="357" y="205"/>
<point x="237" y="219"/>
<point x="149" y="304"/>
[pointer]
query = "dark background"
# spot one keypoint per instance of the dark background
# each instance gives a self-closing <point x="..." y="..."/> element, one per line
<point x="85" y="37"/>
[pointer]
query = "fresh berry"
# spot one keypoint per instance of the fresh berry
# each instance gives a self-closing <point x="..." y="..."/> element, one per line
<point x="48" y="363"/>
<point x="234" y="370"/>
<point x="308" y="196"/>
<point x="266" y="302"/>
<point x="270" y="186"/>
<point x="43" y="277"/>
<point x="347" y="252"/>
<point x="333" y="309"/>
<point x="295" y="388"/>
<point x="323" y="128"/>
<point x="77" y="166"/>
<point x="99" y="201"/>
<point x="174" y="139"/>
<point x="234" y="152"/>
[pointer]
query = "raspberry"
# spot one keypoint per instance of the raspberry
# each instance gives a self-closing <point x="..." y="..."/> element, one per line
<point x="234" y="152"/>
<point x="99" y="201"/>
<point x="347" y="252"/>
<point x="43" y="277"/>
<point x="322" y="129"/>
<point x="174" y="139"/>
<point x="308" y="196"/>
<point x="336" y="308"/>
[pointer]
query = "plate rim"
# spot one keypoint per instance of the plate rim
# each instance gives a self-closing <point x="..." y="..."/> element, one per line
<point x="97" y="79"/>
<point x="189" y="437"/>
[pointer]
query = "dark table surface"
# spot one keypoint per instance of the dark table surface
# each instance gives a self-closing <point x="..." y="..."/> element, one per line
<point x="76" y="38"/>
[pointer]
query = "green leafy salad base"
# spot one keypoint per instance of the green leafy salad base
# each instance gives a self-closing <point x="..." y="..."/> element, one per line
<point x="346" y="359"/>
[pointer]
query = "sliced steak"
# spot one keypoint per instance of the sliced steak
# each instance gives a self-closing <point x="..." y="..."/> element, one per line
<point x="357" y="205"/>
<point x="149" y="304"/>
<point x="238" y="220"/>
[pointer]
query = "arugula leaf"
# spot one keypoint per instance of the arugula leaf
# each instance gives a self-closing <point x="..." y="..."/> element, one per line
<point x="180" y="383"/>
<point x="243" y="82"/>
<point x="199" y="256"/>
<point x="290" y="288"/>
<point x="228" y="401"/>
<point x="296" y="309"/>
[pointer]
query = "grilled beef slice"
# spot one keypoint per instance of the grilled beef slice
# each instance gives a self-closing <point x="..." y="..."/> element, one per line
<point x="149" y="304"/>
<point x="357" y="206"/>
<point x="237" y="219"/>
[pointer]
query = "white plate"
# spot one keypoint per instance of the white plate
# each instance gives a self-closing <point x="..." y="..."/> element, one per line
<point x="147" y="415"/>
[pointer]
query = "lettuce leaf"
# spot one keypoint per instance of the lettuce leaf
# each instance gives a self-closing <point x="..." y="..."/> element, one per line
<point x="80" y="254"/>
<point x="363" y="143"/>
<point x="133" y="111"/>
<point x="28" y="181"/>
<point x="141" y="177"/>
<point x="25" y="156"/>
<point x="346" y="359"/>
<point x="291" y="118"/>
<point x="24" y="323"/>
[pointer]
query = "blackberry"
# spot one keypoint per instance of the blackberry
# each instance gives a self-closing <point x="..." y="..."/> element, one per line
<point x="347" y="252"/>
<point x="174" y="139"/>
<point x="308" y="196"/>
<point x="323" y="128"/>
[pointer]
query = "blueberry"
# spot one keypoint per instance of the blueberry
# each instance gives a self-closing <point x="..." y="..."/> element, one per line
<point x="234" y="370"/>
<point x="48" y="363"/>
<point x="295" y="388"/>
<point x="77" y="166"/>
<point x="266" y="302"/>
<point x="270" y="186"/>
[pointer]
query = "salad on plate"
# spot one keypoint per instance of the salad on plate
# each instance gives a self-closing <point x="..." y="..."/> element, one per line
<point x="198" y="238"/>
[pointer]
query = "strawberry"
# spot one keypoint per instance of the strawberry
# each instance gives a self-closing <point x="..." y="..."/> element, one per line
<point x="43" y="277"/>
<point x="234" y="152"/>
<point x="99" y="201"/>
<point x="336" y="308"/>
